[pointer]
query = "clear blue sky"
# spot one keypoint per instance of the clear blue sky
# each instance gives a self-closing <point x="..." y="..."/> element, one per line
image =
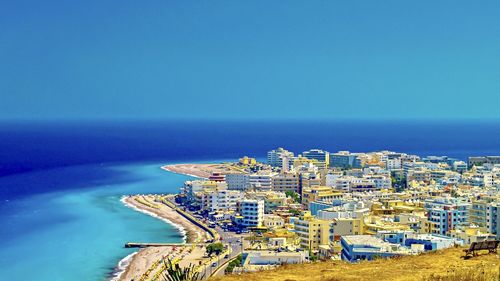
<point x="249" y="59"/>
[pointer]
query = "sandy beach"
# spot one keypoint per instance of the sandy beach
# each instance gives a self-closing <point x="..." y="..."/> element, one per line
<point x="199" y="170"/>
<point x="146" y="260"/>
<point x="193" y="232"/>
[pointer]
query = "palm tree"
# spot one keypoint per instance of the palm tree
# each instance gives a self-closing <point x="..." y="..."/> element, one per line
<point x="173" y="272"/>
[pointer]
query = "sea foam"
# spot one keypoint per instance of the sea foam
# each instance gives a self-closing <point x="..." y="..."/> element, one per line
<point x="122" y="267"/>
<point x="180" y="228"/>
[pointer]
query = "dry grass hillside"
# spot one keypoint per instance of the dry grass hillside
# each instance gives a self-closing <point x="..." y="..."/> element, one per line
<point x="445" y="265"/>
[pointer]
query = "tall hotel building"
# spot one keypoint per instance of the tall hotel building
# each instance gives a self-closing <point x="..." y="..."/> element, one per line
<point x="275" y="157"/>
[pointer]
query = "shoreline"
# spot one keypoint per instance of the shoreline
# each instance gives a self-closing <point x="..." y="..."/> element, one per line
<point x="173" y="169"/>
<point x="122" y="266"/>
<point x="200" y="171"/>
<point x="189" y="231"/>
<point x="136" y="207"/>
<point x="140" y="261"/>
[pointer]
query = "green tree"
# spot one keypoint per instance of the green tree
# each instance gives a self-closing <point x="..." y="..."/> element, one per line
<point x="294" y="195"/>
<point x="234" y="263"/>
<point x="214" y="248"/>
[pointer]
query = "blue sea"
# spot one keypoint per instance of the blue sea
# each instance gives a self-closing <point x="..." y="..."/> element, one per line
<point x="61" y="182"/>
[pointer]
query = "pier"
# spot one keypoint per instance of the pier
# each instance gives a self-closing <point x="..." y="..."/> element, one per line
<point x="145" y="245"/>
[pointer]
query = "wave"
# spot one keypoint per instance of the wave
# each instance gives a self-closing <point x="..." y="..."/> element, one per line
<point x="179" y="227"/>
<point x="121" y="267"/>
<point x="125" y="262"/>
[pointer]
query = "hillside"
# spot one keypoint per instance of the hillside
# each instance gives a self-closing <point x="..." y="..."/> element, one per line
<point x="440" y="265"/>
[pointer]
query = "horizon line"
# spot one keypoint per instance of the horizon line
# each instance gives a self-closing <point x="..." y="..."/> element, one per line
<point x="243" y="120"/>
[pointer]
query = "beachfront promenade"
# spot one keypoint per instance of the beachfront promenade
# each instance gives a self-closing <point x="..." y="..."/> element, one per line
<point x="149" y="263"/>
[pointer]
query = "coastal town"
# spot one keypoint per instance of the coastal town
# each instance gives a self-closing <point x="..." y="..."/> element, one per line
<point x="250" y="215"/>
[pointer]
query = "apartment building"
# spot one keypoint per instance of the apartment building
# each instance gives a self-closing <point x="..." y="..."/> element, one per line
<point x="237" y="181"/>
<point x="272" y="199"/>
<point x="368" y="247"/>
<point x="284" y="182"/>
<point x="445" y="214"/>
<point x="252" y="213"/>
<point x="484" y="213"/>
<point x="319" y="155"/>
<point x="423" y="176"/>
<point x="309" y="179"/>
<point x="344" y="159"/>
<point x="273" y="221"/>
<point x="478" y="212"/>
<point x="481" y="160"/>
<point x="492" y="215"/>
<point x="220" y="200"/>
<point x="261" y="180"/>
<point x="352" y="209"/>
<point x="320" y="193"/>
<point x="217" y="176"/>
<point x="275" y="157"/>
<point x="191" y="188"/>
<point x="393" y="161"/>
<point x="312" y="232"/>
<point x="362" y="185"/>
<point x="346" y="226"/>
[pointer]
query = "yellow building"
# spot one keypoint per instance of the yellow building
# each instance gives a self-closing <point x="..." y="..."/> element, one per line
<point x="301" y="160"/>
<point x="374" y="224"/>
<point x="346" y="226"/>
<point x="312" y="232"/>
<point x="320" y="193"/>
<point x="400" y="206"/>
<point x="245" y="160"/>
<point x="417" y="221"/>
<point x="379" y="209"/>
<point x="472" y="234"/>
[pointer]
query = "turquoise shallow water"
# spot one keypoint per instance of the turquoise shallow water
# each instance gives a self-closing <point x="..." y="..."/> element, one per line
<point x="79" y="234"/>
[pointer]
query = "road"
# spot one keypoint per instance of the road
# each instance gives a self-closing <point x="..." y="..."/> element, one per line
<point x="237" y="244"/>
<point x="228" y="238"/>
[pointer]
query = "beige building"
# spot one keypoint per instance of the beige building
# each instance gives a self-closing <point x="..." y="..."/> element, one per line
<point x="286" y="182"/>
<point x="273" y="221"/>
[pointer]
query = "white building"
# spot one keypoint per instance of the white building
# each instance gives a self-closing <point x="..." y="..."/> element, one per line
<point x="492" y="215"/>
<point x="261" y="180"/>
<point x="348" y="210"/>
<point x="331" y="178"/>
<point x="393" y="161"/>
<point x="275" y="157"/>
<point x="381" y="182"/>
<point x="317" y="154"/>
<point x="341" y="183"/>
<point x="237" y="181"/>
<point x="252" y="212"/>
<point x="264" y="260"/>
<point x="221" y="200"/>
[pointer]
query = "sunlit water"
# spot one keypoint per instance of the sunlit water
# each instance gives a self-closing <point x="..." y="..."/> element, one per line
<point x="79" y="234"/>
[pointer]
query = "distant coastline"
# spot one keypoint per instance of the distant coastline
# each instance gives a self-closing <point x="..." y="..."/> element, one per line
<point x="201" y="171"/>
<point x="91" y="142"/>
